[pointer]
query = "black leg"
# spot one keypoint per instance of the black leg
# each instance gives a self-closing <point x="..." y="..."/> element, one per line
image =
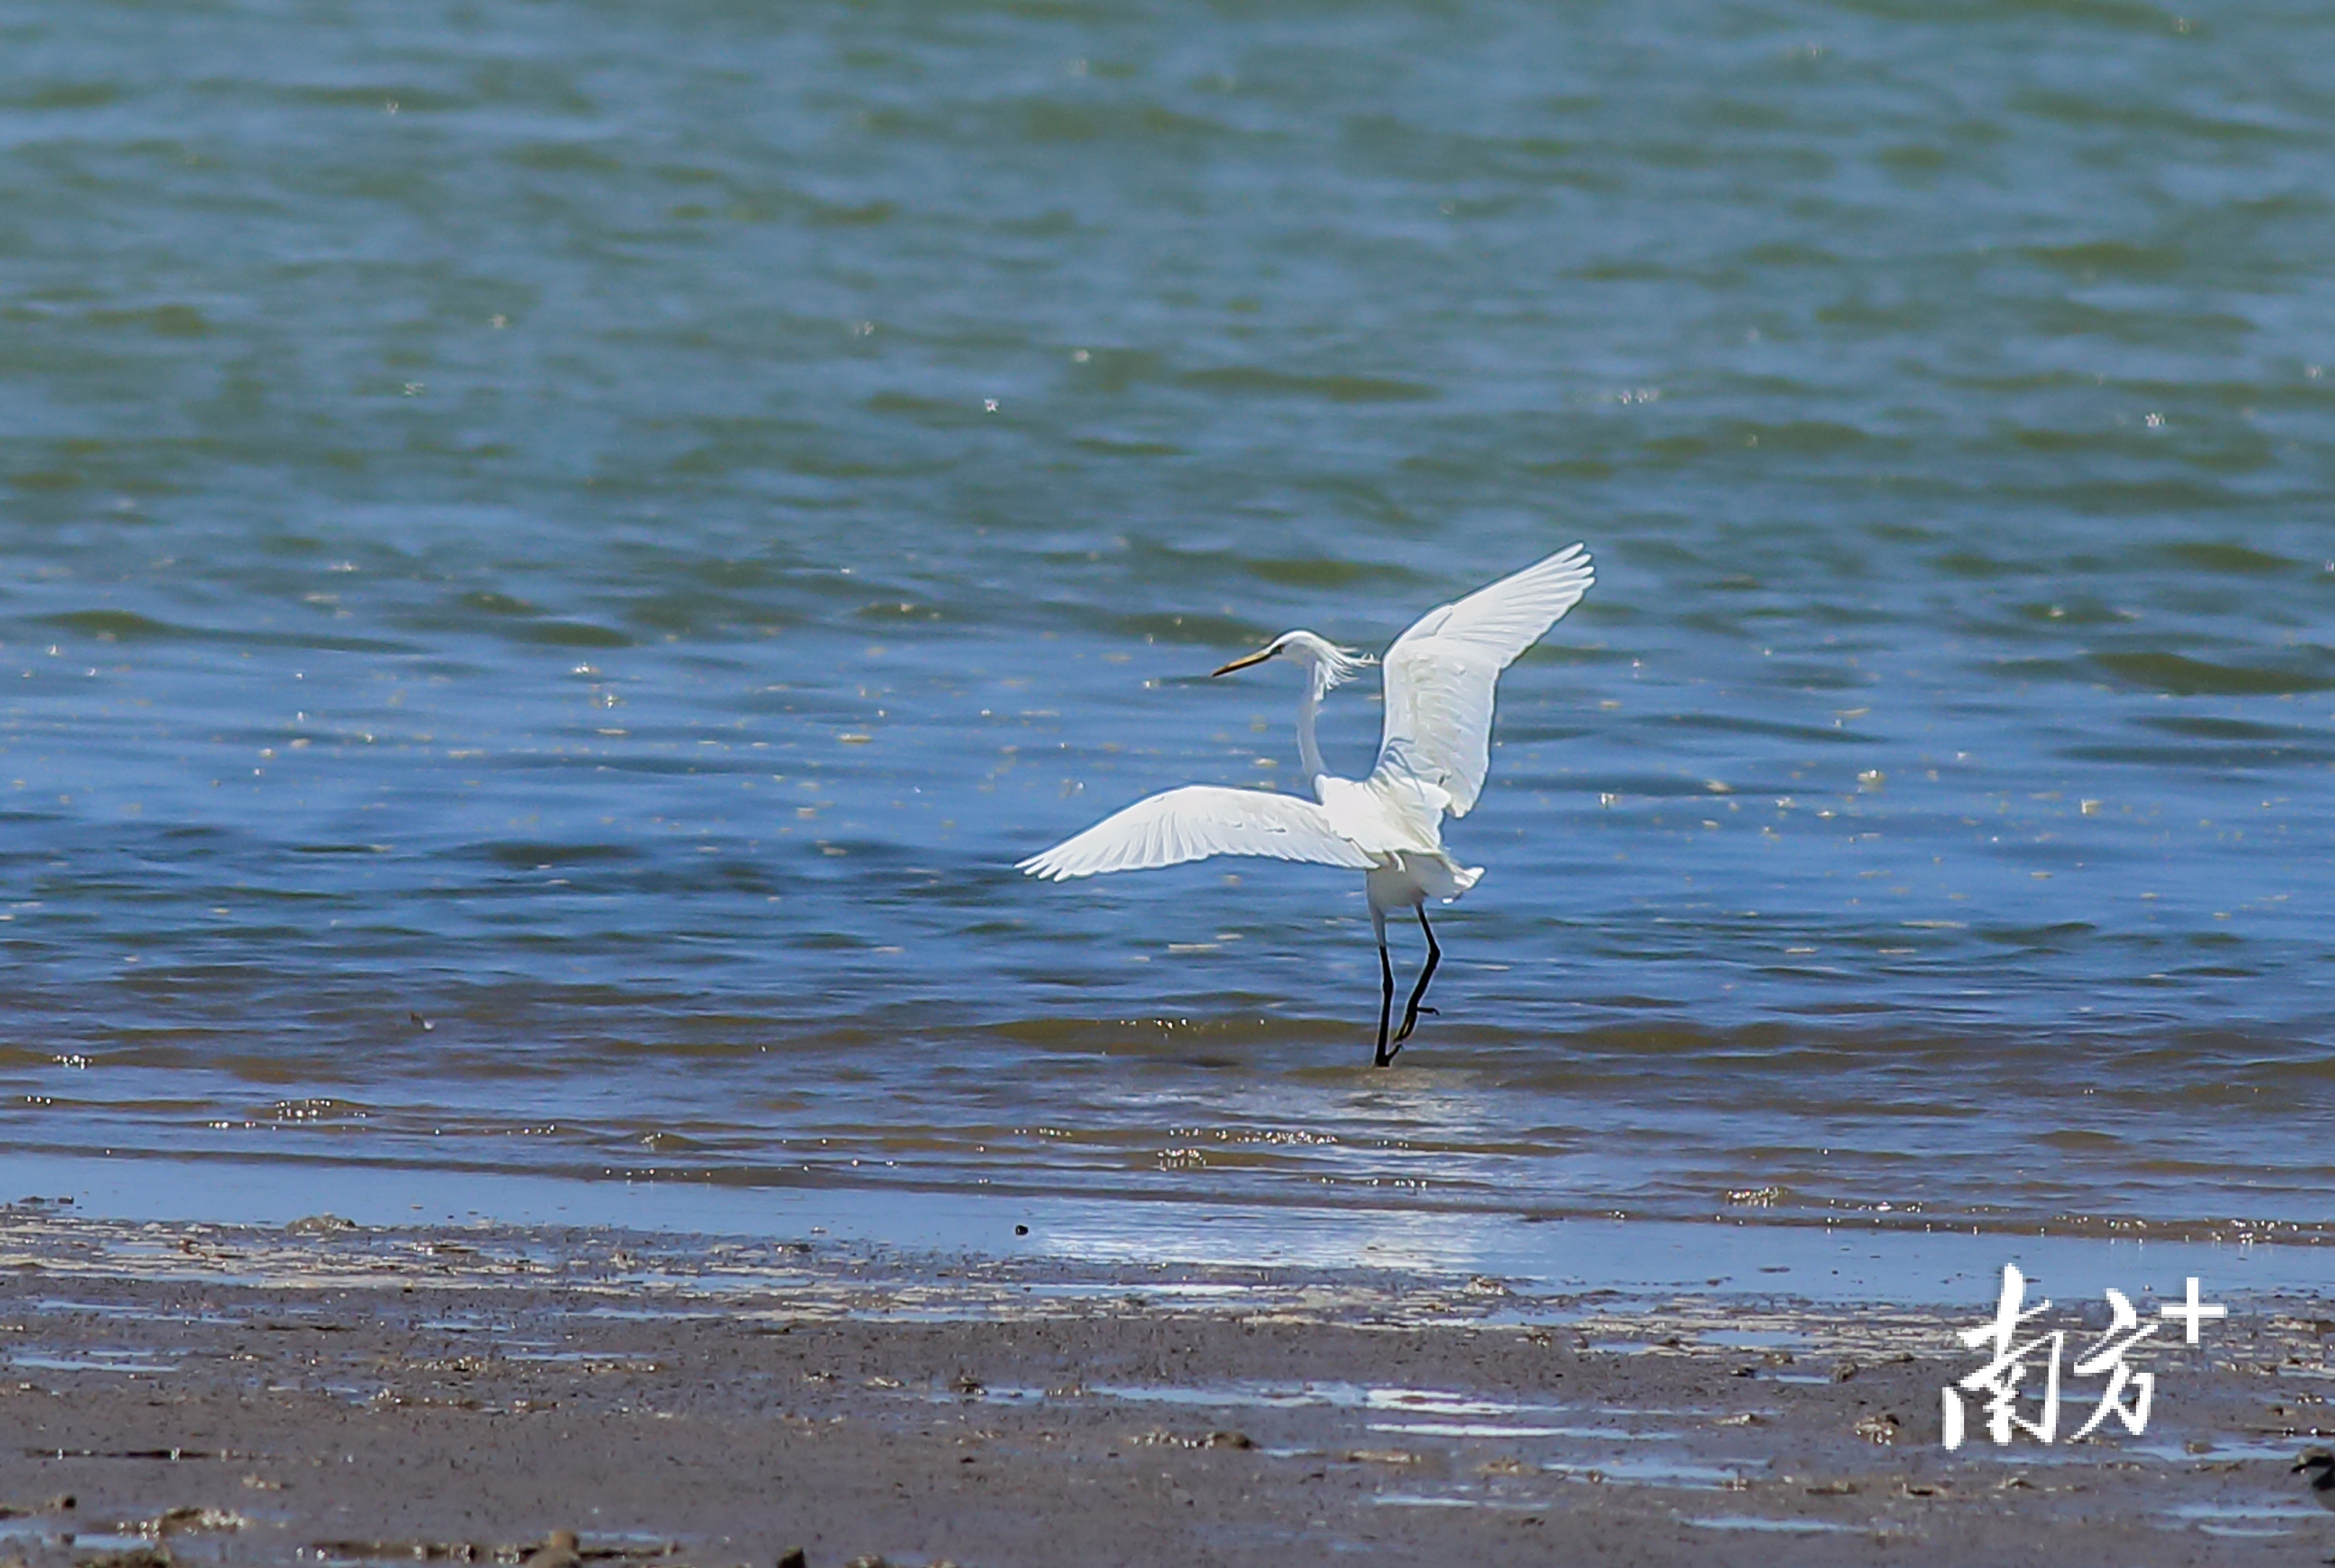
<point x="1386" y="1004"/>
<point x="1434" y="956"/>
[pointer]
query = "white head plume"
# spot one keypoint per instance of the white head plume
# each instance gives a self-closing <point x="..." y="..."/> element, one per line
<point x="1330" y="665"/>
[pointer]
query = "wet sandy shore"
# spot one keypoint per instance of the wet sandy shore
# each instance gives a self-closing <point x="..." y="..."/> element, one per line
<point x="323" y="1393"/>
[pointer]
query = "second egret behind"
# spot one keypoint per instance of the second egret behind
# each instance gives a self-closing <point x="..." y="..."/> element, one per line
<point x="1433" y="752"/>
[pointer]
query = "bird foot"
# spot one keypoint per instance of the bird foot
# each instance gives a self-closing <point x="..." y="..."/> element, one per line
<point x="1411" y="1023"/>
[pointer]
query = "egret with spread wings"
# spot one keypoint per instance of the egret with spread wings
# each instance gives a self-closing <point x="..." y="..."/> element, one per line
<point x="1440" y="678"/>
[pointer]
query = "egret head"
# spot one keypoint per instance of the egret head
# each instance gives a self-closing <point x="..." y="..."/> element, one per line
<point x="1327" y="663"/>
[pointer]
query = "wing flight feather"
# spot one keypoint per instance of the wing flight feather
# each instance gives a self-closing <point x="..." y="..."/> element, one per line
<point x="1441" y="674"/>
<point x="1195" y="822"/>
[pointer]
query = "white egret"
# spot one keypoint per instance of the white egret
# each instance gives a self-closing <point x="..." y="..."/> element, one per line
<point x="1439" y="678"/>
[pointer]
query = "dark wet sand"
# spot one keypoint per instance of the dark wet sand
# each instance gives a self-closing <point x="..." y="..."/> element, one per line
<point x="318" y="1393"/>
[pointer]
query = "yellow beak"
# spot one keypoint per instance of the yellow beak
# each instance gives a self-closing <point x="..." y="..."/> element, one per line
<point x="1257" y="658"/>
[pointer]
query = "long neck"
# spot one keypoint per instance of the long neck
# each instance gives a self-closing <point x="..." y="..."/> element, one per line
<point x="1309" y="750"/>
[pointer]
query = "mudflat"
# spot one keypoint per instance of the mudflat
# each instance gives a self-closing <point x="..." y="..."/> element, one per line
<point x="324" y="1393"/>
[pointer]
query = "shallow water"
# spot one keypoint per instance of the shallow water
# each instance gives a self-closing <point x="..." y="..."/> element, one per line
<point x="533" y="651"/>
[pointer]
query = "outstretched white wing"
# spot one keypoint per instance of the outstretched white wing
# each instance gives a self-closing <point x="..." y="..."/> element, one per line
<point x="1441" y="674"/>
<point x="1195" y="822"/>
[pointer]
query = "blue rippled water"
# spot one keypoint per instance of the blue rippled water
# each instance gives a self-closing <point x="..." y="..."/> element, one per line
<point x="555" y="558"/>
